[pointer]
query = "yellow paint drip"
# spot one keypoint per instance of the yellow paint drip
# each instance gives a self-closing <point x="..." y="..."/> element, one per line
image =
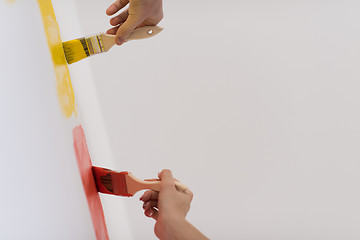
<point x="64" y="87"/>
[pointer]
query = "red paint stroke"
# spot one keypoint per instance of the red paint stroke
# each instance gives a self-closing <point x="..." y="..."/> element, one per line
<point x="92" y="195"/>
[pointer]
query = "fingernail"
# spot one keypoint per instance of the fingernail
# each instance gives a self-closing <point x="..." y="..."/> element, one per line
<point x="150" y="214"/>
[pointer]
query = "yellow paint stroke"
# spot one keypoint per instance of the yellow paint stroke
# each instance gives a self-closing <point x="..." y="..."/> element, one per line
<point x="64" y="87"/>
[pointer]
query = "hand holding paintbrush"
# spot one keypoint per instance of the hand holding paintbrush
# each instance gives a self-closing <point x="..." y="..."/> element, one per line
<point x="168" y="201"/>
<point x="169" y="208"/>
<point x="138" y="21"/>
<point x="78" y="49"/>
<point x="124" y="183"/>
<point x="139" y="13"/>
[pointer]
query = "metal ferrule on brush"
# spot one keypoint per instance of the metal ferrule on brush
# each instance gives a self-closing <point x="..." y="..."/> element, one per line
<point x="92" y="44"/>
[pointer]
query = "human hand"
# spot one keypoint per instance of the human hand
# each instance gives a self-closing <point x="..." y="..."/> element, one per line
<point x="140" y="13"/>
<point x="168" y="206"/>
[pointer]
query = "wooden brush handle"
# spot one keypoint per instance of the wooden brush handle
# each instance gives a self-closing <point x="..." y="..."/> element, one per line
<point x="140" y="33"/>
<point x="144" y="32"/>
<point x="135" y="184"/>
<point x="155" y="185"/>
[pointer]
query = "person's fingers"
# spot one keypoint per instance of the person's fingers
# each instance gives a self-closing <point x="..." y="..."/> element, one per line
<point x="149" y="195"/>
<point x="152" y="179"/>
<point x="150" y="204"/>
<point x="126" y="28"/>
<point x="113" y="30"/>
<point x="148" y="212"/>
<point x="120" y="18"/>
<point x="167" y="179"/>
<point x="155" y="214"/>
<point x="189" y="193"/>
<point x="151" y="212"/>
<point x="116" y="6"/>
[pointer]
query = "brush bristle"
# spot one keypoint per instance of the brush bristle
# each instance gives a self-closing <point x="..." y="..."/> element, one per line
<point x="75" y="50"/>
<point x="110" y="182"/>
<point x="107" y="182"/>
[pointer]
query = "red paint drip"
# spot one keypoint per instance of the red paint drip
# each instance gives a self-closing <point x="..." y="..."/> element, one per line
<point x="93" y="198"/>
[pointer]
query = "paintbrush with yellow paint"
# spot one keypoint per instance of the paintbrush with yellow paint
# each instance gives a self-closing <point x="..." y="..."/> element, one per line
<point x="78" y="49"/>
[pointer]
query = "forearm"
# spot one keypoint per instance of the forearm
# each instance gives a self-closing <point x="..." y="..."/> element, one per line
<point x="180" y="229"/>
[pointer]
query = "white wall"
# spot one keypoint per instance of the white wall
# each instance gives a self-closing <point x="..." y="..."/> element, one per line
<point x="253" y="104"/>
<point x="91" y="117"/>
<point x="41" y="191"/>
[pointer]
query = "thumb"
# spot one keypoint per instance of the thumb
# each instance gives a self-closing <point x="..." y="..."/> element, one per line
<point x="126" y="28"/>
<point x="167" y="179"/>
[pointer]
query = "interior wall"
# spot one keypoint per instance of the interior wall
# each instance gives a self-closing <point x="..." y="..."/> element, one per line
<point x="43" y="196"/>
<point x="42" y="193"/>
<point x="90" y="114"/>
<point x="253" y="104"/>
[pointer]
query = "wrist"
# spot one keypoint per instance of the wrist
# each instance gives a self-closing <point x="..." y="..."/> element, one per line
<point x="178" y="228"/>
<point x="175" y="227"/>
<point x="174" y="219"/>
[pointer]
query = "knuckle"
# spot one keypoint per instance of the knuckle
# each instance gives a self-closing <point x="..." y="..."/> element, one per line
<point x="190" y="193"/>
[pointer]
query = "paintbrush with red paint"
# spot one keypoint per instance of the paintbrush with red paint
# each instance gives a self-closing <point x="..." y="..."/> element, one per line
<point x="124" y="183"/>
